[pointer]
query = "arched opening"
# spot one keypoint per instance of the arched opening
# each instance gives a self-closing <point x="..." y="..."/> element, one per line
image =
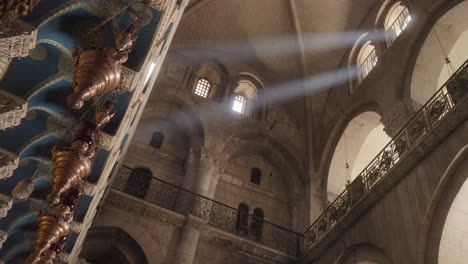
<point x="255" y="176"/>
<point x="209" y="81"/>
<point x="366" y="60"/>
<point x="244" y="96"/>
<point x="202" y="87"/>
<point x="157" y="139"/>
<point x="138" y="182"/>
<point x="242" y="220"/>
<point x="448" y="36"/>
<point x="397" y="20"/>
<point x="111" y="245"/>
<point x="363" y="138"/>
<point x="363" y="254"/>
<point x="257" y="223"/>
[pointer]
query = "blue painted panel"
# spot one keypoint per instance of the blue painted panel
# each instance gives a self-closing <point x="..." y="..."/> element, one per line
<point x="82" y="208"/>
<point x="15" y="137"/>
<point x="18" y="209"/>
<point x="52" y="97"/>
<point x="120" y="109"/>
<point x="26" y="73"/>
<point x="22" y="172"/>
<point x="98" y="165"/>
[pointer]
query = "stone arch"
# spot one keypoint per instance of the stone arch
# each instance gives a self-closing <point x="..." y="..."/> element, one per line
<point x="255" y="97"/>
<point x="217" y="76"/>
<point x="288" y="170"/>
<point x="353" y="75"/>
<point x="424" y="76"/>
<point x="105" y="244"/>
<point x="363" y="253"/>
<point x="334" y="139"/>
<point x="437" y="216"/>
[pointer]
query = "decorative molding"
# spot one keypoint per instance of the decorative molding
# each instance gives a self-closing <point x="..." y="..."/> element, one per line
<point x="195" y="222"/>
<point x="158" y="4"/>
<point x="12" y="109"/>
<point x="5" y="205"/>
<point x="76" y="227"/>
<point x="19" y="42"/>
<point x="8" y="163"/>
<point x="128" y="79"/>
<point x="3" y="237"/>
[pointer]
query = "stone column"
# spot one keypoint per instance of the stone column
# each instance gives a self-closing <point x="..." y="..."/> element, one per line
<point x="12" y="109"/>
<point x="395" y="118"/>
<point x="202" y="170"/>
<point x="188" y="241"/>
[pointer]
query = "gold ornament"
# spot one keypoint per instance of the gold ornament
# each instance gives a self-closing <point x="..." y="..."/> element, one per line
<point x="51" y="228"/>
<point x="70" y="166"/>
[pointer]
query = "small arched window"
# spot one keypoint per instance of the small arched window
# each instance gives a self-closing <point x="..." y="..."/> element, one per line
<point x="138" y="182"/>
<point x="255" y="176"/>
<point x="202" y="88"/>
<point x="398" y="18"/>
<point x="242" y="221"/>
<point x="257" y="223"/>
<point x="157" y="139"/>
<point x="244" y="97"/>
<point x="366" y="60"/>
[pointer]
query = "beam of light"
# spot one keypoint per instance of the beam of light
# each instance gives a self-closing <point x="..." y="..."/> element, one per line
<point x="236" y="50"/>
<point x="150" y="71"/>
<point x="273" y="95"/>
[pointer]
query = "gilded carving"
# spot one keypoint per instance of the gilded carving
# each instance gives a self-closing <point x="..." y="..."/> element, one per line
<point x="17" y="46"/>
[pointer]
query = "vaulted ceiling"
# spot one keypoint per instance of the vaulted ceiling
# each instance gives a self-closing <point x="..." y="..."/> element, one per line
<point x="264" y="36"/>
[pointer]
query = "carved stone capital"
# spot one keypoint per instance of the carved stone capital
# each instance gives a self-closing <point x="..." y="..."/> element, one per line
<point x="12" y="109"/>
<point x="395" y="118"/>
<point x="8" y="163"/>
<point x="17" y="40"/>
<point x="5" y="205"/>
<point x="3" y="237"/>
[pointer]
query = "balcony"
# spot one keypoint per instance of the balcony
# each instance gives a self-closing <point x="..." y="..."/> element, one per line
<point x="217" y="215"/>
<point x="434" y="122"/>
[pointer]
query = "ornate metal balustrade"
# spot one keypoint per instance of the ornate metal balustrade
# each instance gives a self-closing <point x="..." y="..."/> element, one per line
<point x="216" y="214"/>
<point x="407" y="139"/>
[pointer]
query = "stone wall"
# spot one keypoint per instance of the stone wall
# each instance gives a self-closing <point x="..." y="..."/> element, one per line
<point x="396" y="223"/>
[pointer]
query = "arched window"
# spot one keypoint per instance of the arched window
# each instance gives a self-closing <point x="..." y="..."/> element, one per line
<point x="255" y="176"/>
<point x="157" y="139"/>
<point x="202" y="88"/>
<point x="244" y="97"/>
<point x="366" y="60"/>
<point x="257" y="223"/>
<point x="242" y="221"/>
<point x="396" y="21"/>
<point x="138" y="182"/>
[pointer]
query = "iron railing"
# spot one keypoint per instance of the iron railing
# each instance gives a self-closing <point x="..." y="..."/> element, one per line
<point x="415" y="130"/>
<point x="182" y="201"/>
<point x="400" y="23"/>
<point x="366" y="66"/>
